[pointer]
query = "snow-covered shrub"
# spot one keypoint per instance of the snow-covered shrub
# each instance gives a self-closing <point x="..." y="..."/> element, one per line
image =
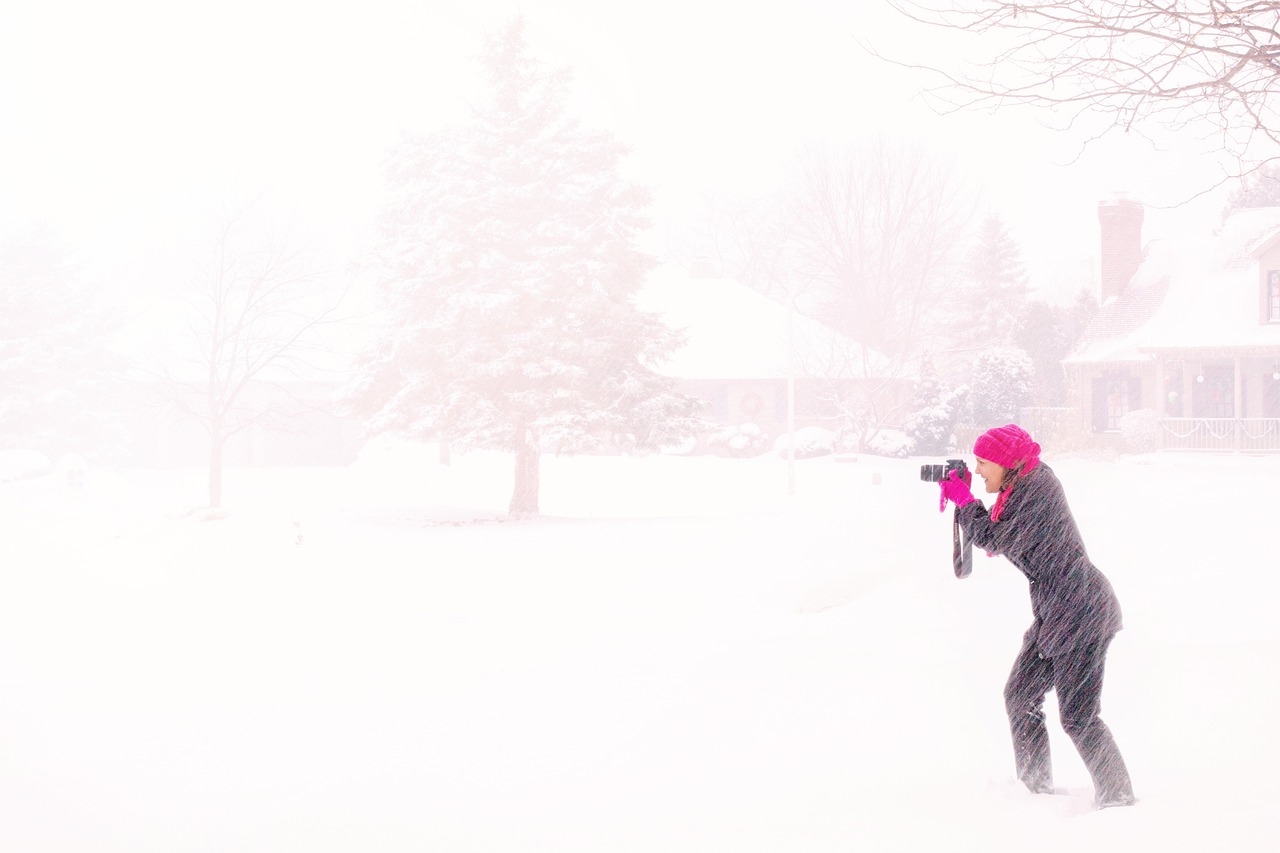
<point x="1140" y="430"/>
<point x="846" y="440"/>
<point x="930" y="428"/>
<point x="71" y="470"/>
<point x="743" y="440"/>
<point x="20" y="464"/>
<point x="891" y="443"/>
<point x="809" y="443"/>
<point x="682" y="448"/>
<point x="1001" y="385"/>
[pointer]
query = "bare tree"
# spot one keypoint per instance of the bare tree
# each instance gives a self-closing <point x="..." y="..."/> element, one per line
<point x="875" y="232"/>
<point x="869" y="237"/>
<point x="254" y="316"/>
<point x="1137" y="64"/>
<point x="747" y="238"/>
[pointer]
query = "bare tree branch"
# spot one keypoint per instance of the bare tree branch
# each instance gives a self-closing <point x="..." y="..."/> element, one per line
<point x="254" y="318"/>
<point x="1211" y="68"/>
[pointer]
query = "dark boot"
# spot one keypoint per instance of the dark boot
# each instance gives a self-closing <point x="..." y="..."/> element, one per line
<point x="1078" y="681"/>
<point x="1106" y="766"/>
<point x="1031" y="752"/>
<point x="1024" y="693"/>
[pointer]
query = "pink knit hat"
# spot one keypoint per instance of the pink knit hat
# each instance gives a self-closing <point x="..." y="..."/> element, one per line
<point x="1009" y="446"/>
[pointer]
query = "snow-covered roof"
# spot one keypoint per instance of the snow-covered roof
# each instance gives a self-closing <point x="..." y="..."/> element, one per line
<point x="1195" y="294"/>
<point x="733" y="332"/>
<point x="1112" y="333"/>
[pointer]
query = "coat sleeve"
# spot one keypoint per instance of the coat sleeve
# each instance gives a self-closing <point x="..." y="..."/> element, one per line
<point x="1032" y="521"/>
<point x="991" y="537"/>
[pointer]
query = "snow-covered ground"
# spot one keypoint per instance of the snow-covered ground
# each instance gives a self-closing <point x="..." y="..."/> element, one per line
<point x="676" y="656"/>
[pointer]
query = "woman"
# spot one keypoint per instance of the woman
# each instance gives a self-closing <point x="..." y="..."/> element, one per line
<point x="1076" y="611"/>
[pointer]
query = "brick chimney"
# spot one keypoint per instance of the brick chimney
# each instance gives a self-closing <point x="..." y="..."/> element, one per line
<point x="1121" y="220"/>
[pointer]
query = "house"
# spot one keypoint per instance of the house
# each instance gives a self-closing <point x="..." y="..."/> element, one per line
<point x="744" y="350"/>
<point x="1189" y="331"/>
<point x="742" y="353"/>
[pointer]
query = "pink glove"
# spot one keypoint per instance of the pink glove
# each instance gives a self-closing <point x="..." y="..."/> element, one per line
<point x="956" y="490"/>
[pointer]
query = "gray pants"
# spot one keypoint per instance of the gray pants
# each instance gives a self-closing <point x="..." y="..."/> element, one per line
<point x="1077" y="679"/>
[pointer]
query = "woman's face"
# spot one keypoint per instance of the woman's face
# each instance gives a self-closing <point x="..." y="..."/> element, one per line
<point x="991" y="474"/>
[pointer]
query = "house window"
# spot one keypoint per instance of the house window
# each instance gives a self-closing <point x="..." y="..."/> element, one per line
<point x="1213" y="395"/>
<point x="720" y="402"/>
<point x="1113" y="398"/>
<point x="1273" y="296"/>
<point x="1271" y="394"/>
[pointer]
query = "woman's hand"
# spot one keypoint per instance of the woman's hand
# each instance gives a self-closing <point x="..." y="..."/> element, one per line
<point x="956" y="490"/>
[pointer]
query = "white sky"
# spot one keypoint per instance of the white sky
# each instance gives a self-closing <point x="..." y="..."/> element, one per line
<point x="120" y="118"/>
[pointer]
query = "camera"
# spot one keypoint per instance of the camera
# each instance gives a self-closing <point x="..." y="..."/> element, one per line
<point x="934" y="473"/>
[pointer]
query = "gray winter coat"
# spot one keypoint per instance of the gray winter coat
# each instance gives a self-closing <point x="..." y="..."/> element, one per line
<point x="1072" y="601"/>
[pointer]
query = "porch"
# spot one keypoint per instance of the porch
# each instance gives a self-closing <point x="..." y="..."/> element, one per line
<point x="1220" y="400"/>
<point x="1225" y="435"/>
<point x="1239" y="435"/>
<point x="1206" y="399"/>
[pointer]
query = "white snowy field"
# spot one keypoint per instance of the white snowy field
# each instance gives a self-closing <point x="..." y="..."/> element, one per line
<point x="676" y="656"/>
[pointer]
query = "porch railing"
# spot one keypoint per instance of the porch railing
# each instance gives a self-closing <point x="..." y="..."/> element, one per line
<point x="1258" y="435"/>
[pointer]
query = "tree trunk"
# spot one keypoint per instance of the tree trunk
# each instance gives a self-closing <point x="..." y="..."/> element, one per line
<point x="215" y="472"/>
<point x="524" y="498"/>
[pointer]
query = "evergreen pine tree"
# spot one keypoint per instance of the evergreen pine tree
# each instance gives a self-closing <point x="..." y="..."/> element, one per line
<point x="510" y="270"/>
<point x="929" y="388"/>
<point x="1047" y="334"/>
<point x="1259" y="188"/>
<point x="55" y="359"/>
<point x="1002" y="378"/>
<point x="998" y="280"/>
<point x="930" y="426"/>
<point x="1042" y="333"/>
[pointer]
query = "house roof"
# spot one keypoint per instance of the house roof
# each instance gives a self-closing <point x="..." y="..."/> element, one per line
<point x="1192" y="294"/>
<point x="1111" y="335"/>
<point x="733" y="332"/>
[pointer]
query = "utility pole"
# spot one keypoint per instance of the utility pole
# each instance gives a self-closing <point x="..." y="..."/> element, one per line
<point x="791" y="390"/>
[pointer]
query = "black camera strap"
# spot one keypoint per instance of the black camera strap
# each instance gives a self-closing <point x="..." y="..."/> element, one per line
<point x="961" y="549"/>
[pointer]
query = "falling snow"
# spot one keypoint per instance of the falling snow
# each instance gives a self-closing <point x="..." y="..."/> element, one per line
<point x="675" y="656"/>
